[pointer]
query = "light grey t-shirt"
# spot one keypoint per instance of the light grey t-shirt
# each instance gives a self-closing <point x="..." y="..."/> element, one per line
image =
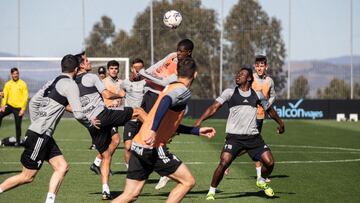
<point x="134" y="92"/>
<point x="45" y="112"/>
<point x="242" y="110"/>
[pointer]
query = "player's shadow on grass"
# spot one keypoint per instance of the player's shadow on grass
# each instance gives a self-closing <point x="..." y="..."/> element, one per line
<point x="152" y="181"/>
<point x="113" y="194"/>
<point x="119" y="172"/>
<point x="246" y="194"/>
<point x="7" y="172"/>
<point x="274" y="176"/>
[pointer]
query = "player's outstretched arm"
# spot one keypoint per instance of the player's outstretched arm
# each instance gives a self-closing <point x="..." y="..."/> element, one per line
<point x="210" y="111"/>
<point x="273" y="114"/>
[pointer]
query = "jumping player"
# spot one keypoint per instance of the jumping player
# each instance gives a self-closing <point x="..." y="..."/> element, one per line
<point x="241" y="129"/>
<point x="161" y="74"/>
<point x="149" y="151"/>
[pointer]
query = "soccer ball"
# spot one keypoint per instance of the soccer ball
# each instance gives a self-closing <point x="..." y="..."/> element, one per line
<point x="172" y="19"/>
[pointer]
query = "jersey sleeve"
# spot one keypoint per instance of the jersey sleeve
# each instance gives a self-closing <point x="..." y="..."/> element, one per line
<point x="225" y="96"/>
<point x="262" y="100"/>
<point x="91" y="79"/>
<point x="70" y="90"/>
<point x="149" y="73"/>
<point x="179" y="95"/>
<point x="272" y="95"/>
<point x="24" y="96"/>
<point x="6" y="93"/>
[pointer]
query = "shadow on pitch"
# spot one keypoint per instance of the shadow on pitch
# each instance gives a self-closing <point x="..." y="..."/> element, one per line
<point x="274" y="176"/>
<point x="7" y="172"/>
<point x="114" y="194"/>
<point x="119" y="172"/>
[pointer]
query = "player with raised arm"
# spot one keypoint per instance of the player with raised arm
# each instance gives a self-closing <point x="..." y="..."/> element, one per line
<point x="149" y="152"/>
<point x="46" y="109"/>
<point x="161" y="74"/>
<point x="265" y="84"/>
<point x="241" y="129"/>
<point x="92" y="92"/>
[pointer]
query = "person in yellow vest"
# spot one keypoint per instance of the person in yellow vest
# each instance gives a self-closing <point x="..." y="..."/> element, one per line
<point x="15" y="97"/>
<point x="112" y="83"/>
<point x="149" y="152"/>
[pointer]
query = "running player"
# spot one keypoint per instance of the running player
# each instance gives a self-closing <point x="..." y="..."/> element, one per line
<point x="92" y="90"/>
<point x="161" y="74"/>
<point x="149" y="152"/>
<point x="134" y="88"/>
<point x="241" y="129"/>
<point x="46" y="109"/>
<point x="112" y="83"/>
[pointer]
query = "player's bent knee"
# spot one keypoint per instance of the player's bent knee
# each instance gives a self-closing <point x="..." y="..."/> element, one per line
<point x="191" y="182"/>
<point x="27" y="178"/>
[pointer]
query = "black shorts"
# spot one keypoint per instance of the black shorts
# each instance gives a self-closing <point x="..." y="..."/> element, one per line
<point x="148" y="101"/>
<point x="253" y="144"/>
<point x="130" y="130"/>
<point x="114" y="118"/>
<point x="144" y="161"/>
<point x="114" y="130"/>
<point x="101" y="138"/>
<point x="38" y="148"/>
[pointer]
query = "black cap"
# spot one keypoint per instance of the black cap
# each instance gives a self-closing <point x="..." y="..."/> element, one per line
<point x="102" y="70"/>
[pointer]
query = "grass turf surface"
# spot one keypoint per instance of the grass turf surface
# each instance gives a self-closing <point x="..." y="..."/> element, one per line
<point x="316" y="161"/>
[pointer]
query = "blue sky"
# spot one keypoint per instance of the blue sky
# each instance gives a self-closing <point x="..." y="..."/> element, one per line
<point x="319" y="28"/>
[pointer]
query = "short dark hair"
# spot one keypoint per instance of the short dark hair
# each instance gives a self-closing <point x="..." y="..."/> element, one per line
<point x="261" y="58"/>
<point x="186" y="67"/>
<point x="79" y="56"/>
<point x="187" y="44"/>
<point x="249" y="70"/>
<point x="101" y="70"/>
<point x="69" y="63"/>
<point x="112" y="63"/>
<point x="137" y="60"/>
<point x="14" y="69"/>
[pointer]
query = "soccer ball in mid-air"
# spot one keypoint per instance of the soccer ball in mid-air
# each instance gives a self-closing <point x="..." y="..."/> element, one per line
<point x="172" y="19"/>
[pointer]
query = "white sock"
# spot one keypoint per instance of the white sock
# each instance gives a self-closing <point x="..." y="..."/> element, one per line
<point x="50" y="198"/>
<point x="1" y="191"/>
<point x="258" y="172"/>
<point x="105" y="188"/>
<point x="212" y="189"/>
<point x="97" y="162"/>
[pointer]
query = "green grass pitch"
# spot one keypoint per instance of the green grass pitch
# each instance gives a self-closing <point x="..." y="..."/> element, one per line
<point x="316" y="161"/>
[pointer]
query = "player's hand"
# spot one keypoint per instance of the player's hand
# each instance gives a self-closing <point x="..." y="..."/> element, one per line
<point x="280" y="129"/>
<point x="2" y="109"/>
<point x="149" y="139"/>
<point x="21" y="113"/>
<point x="95" y="122"/>
<point x="208" y="132"/>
